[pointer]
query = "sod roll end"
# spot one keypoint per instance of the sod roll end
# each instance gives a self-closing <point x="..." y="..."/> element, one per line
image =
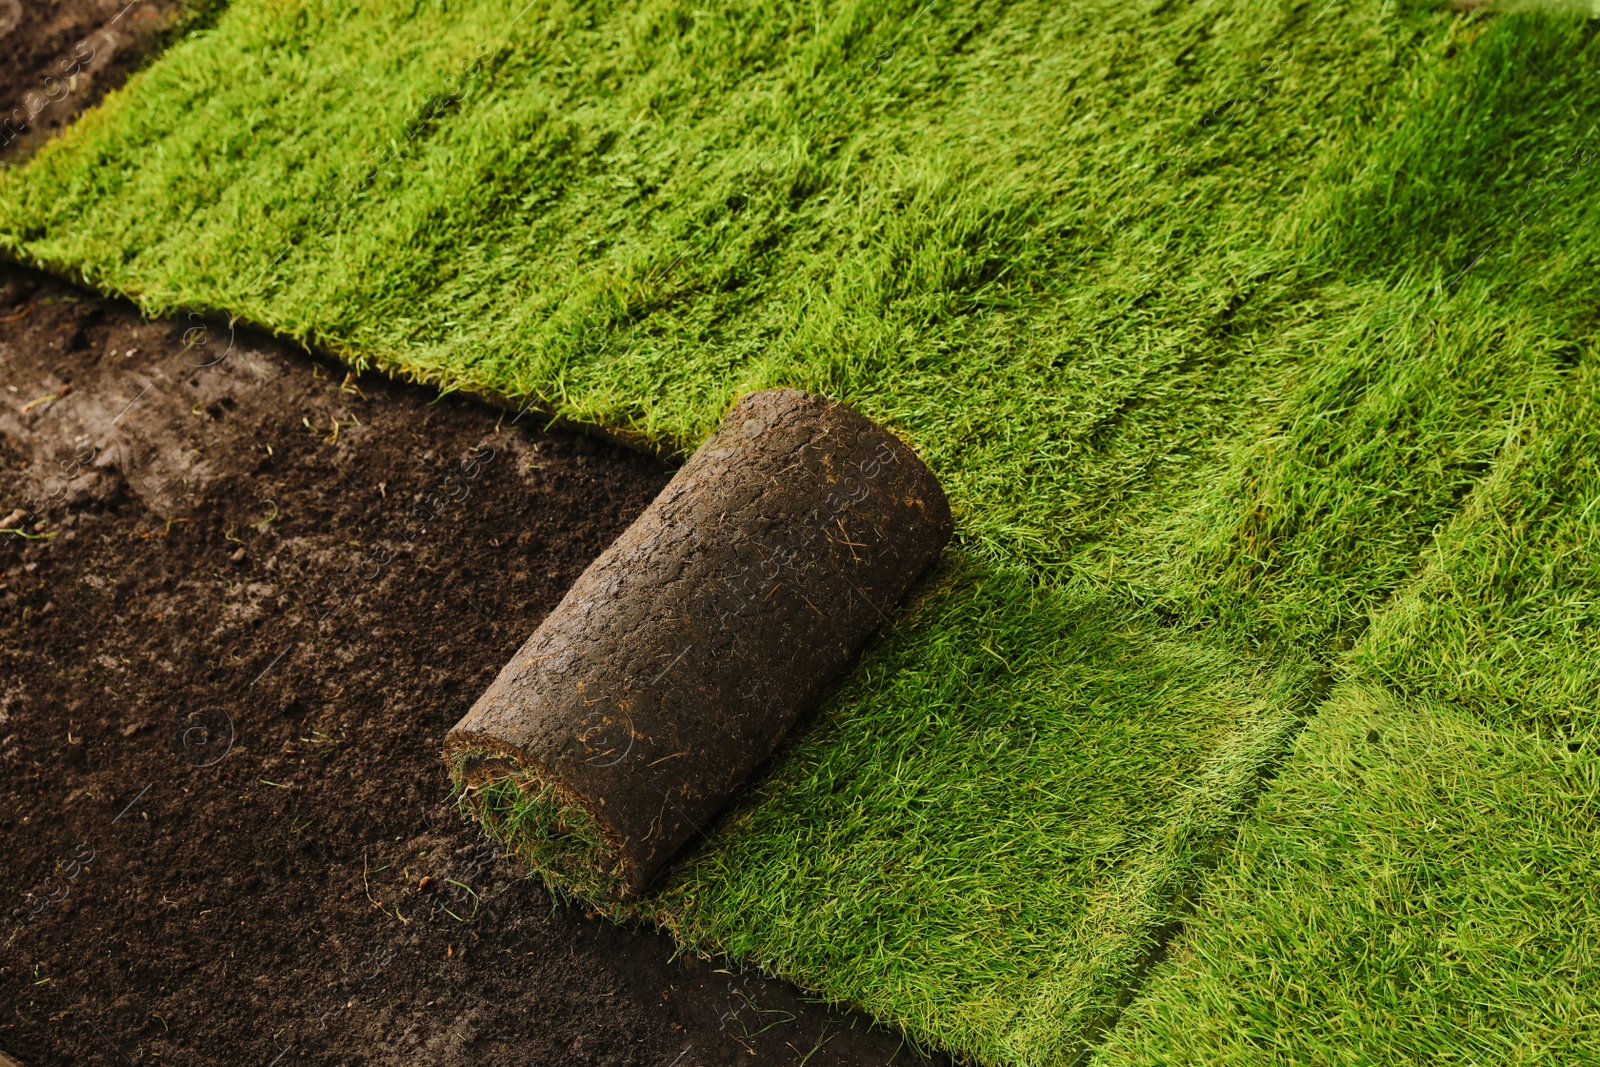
<point x="684" y="654"/>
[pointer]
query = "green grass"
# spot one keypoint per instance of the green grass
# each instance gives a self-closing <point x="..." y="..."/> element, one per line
<point x="1504" y="620"/>
<point x="1419" y="885"/>
<point x="1170" y="296"/>
<point x="1417" y="888"/>
<point x="979" y="250"/>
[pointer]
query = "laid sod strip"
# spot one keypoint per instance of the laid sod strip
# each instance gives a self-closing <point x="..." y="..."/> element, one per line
<point x="1416" y="888"/>
<point x="682" y="657"/>
<point x="1371" y="439"/>
<point x="976" y="837"/>
<point x="1160" y="297"/>
<point x="1457" y="288"/>
<point x="1504" y="620"/>
<point x="1420" y="884"/>
<point x="1031" y="238"/>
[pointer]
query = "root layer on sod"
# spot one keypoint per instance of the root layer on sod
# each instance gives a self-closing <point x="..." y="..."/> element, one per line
<point x="1208" y="320"/>
<point x="685" y="654"/>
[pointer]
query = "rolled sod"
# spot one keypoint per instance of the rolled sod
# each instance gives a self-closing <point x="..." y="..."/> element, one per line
<point x="685" y="653"/>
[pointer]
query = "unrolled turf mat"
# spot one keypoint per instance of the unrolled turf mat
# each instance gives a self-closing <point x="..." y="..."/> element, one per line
<point x="681" y="658"/>
<point x="1209" y="316"/>
<point x="1418" y="887"/>
<point x="1421" y="885"/>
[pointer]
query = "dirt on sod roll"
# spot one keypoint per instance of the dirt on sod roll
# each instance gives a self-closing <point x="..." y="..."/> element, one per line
<point x="688" y="649"/>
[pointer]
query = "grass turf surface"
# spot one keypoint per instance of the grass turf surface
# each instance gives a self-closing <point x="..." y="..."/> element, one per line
<point x="1418" y="887"/>
<point x="1419" y="884"/>
<point x="1209" y="316"/>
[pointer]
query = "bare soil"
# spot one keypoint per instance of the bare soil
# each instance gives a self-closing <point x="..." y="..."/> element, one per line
<point x="63" y="56"/>
<point x="244" y="597"/>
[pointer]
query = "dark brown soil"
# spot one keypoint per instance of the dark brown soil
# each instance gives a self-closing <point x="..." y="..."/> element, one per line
<point x="62" y="56"/>
<point x="247" y="597"/>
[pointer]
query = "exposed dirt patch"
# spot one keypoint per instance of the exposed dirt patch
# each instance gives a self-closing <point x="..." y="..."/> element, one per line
<point x="253" y="595"/>
<point x="63" y="56"/>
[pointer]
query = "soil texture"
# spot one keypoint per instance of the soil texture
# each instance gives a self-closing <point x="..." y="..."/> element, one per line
<point x="63" y="56"/>
<point x="245" y="594"/>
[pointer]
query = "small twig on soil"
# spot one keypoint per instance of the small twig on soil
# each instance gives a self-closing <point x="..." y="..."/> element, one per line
<point x="29" y="536"/>
<point x="375" y="903"/>
<point x="263" y="523"/>
<point x="36" y="401"/>
<point x="21" y="314"/>
<point x="163" y="533"/>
